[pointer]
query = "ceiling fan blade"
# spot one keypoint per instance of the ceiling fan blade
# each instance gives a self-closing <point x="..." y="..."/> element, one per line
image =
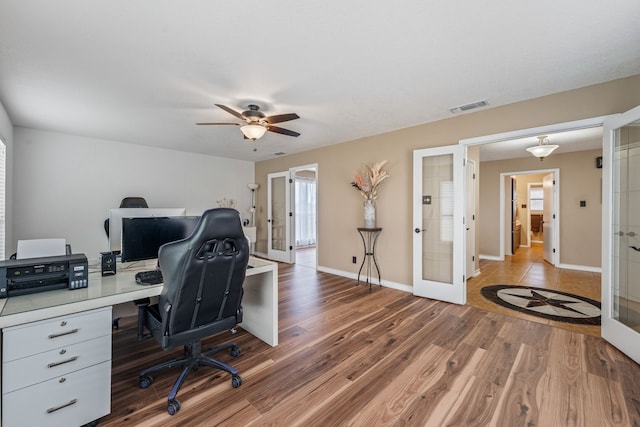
<point x="230" y="111"/>
<point x="279" y="118"/>
<point x="235" y="124"/>
<point x="282" y="131"/>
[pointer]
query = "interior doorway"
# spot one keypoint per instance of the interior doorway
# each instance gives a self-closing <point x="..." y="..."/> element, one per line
<point x="528" y="266"/>
<point x="305" y="219"/>
<point x="520" y="219"/>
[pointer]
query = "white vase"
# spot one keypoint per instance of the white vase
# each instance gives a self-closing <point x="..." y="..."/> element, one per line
<point x="369" y="214"/>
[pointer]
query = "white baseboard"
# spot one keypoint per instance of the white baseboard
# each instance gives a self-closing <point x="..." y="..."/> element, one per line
<point x="490" y="257"/>
<point x="374" y="280"/>
<point x="580" y="268"/>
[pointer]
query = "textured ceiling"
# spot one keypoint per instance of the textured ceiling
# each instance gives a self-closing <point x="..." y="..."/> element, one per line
<point x="146" y="71"/>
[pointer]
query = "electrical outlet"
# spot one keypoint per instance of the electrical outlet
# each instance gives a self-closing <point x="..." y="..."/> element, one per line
<point x="353" y="260"/>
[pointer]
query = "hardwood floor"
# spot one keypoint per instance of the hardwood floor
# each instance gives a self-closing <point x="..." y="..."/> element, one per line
<point x="306" y="256"/>
<point x="528" y="268"/>
<point x="348" y="356"/>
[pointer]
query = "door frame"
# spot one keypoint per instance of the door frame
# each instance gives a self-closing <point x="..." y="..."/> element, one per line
<point x="470" y="218"/>
<point x="289" y="255"/>
<point x="504" y="222"/>
<point x="532" y="132"/>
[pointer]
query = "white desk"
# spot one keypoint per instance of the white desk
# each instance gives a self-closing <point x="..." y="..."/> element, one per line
<point x="260" y="301"/>
<point x="260" y="316"/>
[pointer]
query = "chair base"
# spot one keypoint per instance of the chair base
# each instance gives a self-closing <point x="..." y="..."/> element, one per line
<point x="193" y="358"/>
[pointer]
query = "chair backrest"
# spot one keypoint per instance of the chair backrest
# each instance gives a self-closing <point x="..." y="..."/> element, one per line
<point x="204" y="273"/>
<point x="134" y="202"/>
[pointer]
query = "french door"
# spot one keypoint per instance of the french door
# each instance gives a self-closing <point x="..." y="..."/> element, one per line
<point x="438" y="221"/>
<point x="621" y="233"/>
<point x="278" y="217"/>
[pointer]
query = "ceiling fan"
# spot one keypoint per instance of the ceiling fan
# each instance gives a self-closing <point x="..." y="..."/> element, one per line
<point x="255" y="123"/>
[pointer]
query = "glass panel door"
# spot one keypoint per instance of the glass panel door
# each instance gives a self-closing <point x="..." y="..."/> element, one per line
<point x="621" y="233"/>
<point x="278" y="232"/>
<point x="438" y="210"/>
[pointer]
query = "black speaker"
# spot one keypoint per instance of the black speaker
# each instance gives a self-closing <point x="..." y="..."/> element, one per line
<point x="107" y="263"/>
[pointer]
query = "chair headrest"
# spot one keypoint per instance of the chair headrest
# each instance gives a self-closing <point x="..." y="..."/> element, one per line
<point x="134" y="202"/>
<point x="218" y="223"/>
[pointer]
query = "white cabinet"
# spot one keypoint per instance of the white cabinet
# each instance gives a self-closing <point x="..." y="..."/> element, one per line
<point x="57" y="372"/>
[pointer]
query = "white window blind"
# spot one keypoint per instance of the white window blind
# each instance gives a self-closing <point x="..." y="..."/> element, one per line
<point x="446" y="211"/>
<point x="536" y="199"/>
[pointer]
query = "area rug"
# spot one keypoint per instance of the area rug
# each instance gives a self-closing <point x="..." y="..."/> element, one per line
<point x="545" y="303"/>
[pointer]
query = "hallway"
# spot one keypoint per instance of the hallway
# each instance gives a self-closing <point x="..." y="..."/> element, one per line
<point x="528" y="268"/>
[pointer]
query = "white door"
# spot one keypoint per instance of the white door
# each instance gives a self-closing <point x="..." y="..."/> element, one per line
<point x="438" y="234"/>
<point x="470" y="219"/>
<point x="621" y="233"/>
<point x="278" y="217"/>
<point x="548" y="218"/>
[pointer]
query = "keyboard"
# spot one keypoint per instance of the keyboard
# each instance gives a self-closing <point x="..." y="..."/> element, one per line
<point x="151" y="277"/>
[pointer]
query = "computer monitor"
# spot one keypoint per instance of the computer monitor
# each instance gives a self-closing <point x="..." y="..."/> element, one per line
<point x="116" y="215"/>
<point x="142" y="237"/>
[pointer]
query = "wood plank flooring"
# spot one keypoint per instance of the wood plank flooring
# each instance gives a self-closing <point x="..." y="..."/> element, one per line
<point x="350" y="357"/>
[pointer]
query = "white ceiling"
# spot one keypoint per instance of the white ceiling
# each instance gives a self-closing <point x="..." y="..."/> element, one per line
<point x="146" y="71"/>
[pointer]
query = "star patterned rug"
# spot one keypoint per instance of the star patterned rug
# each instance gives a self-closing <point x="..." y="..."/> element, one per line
<point x="545" y="303"/>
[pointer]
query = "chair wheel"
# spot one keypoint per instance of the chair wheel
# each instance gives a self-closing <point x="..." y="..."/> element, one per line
<point x="145" y="381"/>
<point x="235" y="351"/>
<point x="236" y="381"/>
<point x="173" y="407"/>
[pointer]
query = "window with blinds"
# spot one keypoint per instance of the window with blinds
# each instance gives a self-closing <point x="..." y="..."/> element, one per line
<point x="536" y="198"/>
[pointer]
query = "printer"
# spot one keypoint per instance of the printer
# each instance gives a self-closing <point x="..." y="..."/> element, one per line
<point x="31" y="275"/>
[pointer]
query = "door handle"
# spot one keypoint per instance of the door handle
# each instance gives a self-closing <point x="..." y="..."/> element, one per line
<point x="631" y="234"/>
<point x="417" y="230"/>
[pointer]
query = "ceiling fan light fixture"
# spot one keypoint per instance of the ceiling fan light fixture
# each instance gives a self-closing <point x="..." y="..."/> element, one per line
<point x="543" y="149"/>
<point x="253" y="131"/>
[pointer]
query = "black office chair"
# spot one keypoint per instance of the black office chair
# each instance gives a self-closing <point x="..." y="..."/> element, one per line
<point x="202" y="294"/>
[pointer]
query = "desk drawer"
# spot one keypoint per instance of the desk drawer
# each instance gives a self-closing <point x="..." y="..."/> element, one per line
<point x="37" y="337"/>
<point x="71" y="400"/>
<point x="40" y="367"/>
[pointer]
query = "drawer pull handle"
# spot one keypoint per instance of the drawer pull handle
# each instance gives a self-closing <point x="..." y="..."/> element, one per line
<point x="71" y="359"/>
<point x="73" y="331"/>
<point x="63" y="323"/>
<point x="57" y="408"/>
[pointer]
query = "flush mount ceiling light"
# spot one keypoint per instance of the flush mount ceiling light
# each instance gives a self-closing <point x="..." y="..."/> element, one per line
<point x="543" y="149"/>
<point x="253" y="131"/>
